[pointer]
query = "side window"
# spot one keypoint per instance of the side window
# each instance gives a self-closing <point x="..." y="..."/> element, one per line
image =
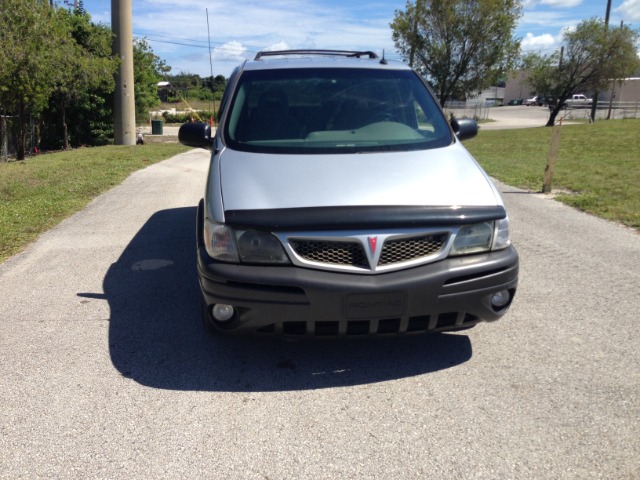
<point x="429" y="119"/>
<point x="423" y="121"/>
<point x="227" y="92"/>
<point x="233" y="117"/>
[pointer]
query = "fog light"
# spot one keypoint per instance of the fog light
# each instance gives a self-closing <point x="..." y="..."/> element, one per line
<point x="500" y="299"/>
<point x="222" y="312"/>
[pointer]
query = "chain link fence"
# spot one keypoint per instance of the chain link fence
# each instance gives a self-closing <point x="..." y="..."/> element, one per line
<point x="605" y="110"/>
<point x="8" y="129"/>
<point x="5" y="147"/>
<point x="476" y="110"/>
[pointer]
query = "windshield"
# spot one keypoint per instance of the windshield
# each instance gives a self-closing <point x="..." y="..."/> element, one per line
<point x="333" y="111"/>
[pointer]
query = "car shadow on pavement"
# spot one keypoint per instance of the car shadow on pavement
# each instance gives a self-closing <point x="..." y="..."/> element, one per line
<point x="156" y="337"/>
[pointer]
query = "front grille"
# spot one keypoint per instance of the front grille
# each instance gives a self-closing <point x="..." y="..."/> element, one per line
<point x="351" y="251"/>
<point x="331" y="252"/>
<point x="406" y="249"/>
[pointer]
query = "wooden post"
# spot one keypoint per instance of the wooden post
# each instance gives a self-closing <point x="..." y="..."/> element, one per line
<point x="551" y="158"/>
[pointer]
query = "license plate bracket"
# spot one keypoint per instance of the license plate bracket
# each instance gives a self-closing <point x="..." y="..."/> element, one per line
<point x="374" y="305"/>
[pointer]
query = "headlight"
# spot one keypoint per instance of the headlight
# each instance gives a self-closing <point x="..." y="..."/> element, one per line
<point x="249" y="246"/>
<point x="220" y="242"/>
<point x="256" y="246"/>
<point x="501" y="237"/>
<point x="482" y="237"/>
<point x="474" y="238"/>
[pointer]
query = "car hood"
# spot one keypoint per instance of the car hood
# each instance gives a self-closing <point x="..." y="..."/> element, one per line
<point x="440" y="177"/>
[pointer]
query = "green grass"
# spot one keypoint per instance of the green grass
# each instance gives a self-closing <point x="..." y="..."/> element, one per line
<point x="597" y="169"/>
<point x="39" y="192"/>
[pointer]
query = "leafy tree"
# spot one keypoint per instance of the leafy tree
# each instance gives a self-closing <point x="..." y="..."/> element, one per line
<point x="91" y="117"/>
<point x="215" y="84"/>
<point x="79" y="10"/>
<point x="55" y="64"/>
<point x="593" y="56"/>
<point x="220" y="82"/>
<point x="87" y="66"/>
<point x="190" y="86"/>
<point x="460" y="46"/>
<point x="184" y="80"/>
<point x="32" y="38"/>
<point x="148" y="70"/>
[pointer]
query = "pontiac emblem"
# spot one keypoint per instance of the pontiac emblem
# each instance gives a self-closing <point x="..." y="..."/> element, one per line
<point x="373" y="242"/>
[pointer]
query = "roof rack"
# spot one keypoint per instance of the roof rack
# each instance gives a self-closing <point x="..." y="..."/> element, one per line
<point x="339" y="53"/>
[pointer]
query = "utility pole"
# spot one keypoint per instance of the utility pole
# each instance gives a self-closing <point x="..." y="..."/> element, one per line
<point x="124" y="108"/>
<point x="613" y="85"/>
<point x="594" y="105"/>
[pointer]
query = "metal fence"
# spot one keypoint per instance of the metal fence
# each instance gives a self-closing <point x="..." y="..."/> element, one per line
<point x="605" y="110"/>
<point x="8" y="126"/>
<point x="6" y="146"/>
<point x="477" y="110"/>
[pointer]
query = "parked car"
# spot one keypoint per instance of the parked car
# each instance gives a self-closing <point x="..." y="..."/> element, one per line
<point x="516" y="101"/>
<point x="538" y="100"/>
<point x="341" y="202"/>
<point x="578" y="101"/>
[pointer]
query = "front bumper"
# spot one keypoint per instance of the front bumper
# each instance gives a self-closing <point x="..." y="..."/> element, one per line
<point x="446" y="295"/>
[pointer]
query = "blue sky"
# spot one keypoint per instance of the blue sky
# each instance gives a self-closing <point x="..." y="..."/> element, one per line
<point x="177" y="29"/>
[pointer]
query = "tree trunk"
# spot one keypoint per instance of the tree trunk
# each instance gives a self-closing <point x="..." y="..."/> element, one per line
<point x="21" y="137"/>
<point x="551" y="159"/>
<point x="554" y="114"/>
<point x="65" y="136"/>
<point x="3" y="137"/>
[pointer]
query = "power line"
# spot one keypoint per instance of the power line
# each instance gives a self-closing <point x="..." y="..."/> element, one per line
<point x="223" y="45"/>
<point x="173" y="38"/>
<point x="137" y="37"/>
<point x="172" y="41"/>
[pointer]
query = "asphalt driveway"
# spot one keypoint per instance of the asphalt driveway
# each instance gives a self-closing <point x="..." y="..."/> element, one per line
<point x="105" y="371"/>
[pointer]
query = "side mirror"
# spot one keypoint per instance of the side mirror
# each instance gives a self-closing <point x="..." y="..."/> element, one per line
<point x="195" y="135"/>
<point x="465" y="128"/>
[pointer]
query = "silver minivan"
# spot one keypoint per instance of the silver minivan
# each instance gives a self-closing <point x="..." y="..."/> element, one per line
<point x="341" y="202"/>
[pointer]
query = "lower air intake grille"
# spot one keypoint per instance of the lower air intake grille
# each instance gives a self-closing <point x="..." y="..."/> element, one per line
<point x="386" y="326"/>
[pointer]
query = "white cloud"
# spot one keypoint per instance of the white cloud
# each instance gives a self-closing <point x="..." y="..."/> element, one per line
<point x="230" y="51"/>
<point x="543" y="19"/>
<point x="277" y="46"/>
<point x="630" y="10"/>
<point x="539" y="42"/>
<point x="529" y="4"/>
<point x="561" y="3"/>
